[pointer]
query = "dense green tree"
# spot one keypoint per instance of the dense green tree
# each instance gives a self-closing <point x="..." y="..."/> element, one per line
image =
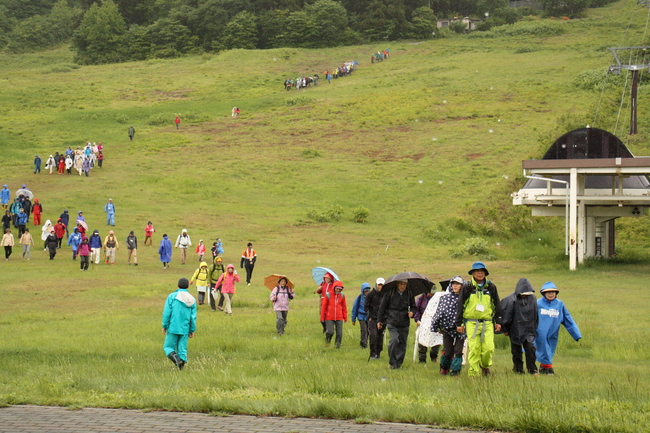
<point x="410" y="6"/>
<point x="423" y="24"/>
<point x="331" y="22"/>
<point x="21" y="9"/>
<point x="6" y="24"/>
<point x="42" y="31"/>
<point x="169" y="38"/>
<point x="385" y="20"/>
<point x="135" y="43"/>
<point x="241" y="32"/>
<point x="442" y="8"/>
<point x="140" y="12"/>
<point x="507" y="14"/>
<point x="301" y="30"/>
<point x="565" y="8"/>
<point x="272" y="29"/>
<point x="206" y="20"/>
<point x="489" y="6"/>
<point x="98" y="38"/>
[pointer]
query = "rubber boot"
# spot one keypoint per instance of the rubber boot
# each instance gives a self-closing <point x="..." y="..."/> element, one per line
<point x="175" y="359"/>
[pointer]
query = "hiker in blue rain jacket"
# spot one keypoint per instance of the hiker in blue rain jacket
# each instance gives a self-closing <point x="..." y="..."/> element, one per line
<point x="179" y="323"/>
<point x="359" y="312"/>
<point x="74" y="241"/>
<point x="552" y="313"/>
<point x="165" y="251"/>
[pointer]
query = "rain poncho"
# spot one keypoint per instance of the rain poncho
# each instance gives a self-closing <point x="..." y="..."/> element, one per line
<point x="552" y="314"/>
<point x="520" y="313"/>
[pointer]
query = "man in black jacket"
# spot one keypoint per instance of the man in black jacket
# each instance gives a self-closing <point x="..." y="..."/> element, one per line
<point x="373" y="300"/>
<point x="396" y="310"/>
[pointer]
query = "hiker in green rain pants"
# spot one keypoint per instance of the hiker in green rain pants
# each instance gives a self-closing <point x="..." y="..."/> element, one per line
<point x="479" y="315"/>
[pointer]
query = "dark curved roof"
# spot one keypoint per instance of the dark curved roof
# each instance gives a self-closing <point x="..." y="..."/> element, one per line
<point x="591" y="143"/>
<point x="586" y="143"/>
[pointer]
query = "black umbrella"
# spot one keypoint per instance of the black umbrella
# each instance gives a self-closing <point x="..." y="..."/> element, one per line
<point x="417" y="283"/>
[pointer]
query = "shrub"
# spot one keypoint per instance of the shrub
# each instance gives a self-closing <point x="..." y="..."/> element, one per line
<point x="122" y="118"/>
<point x="333" y="213"/>
<point x="527" y="49"/>
<point x="310" y="153"/>
<point x="301" y="100"/>
<point x="542" y="28"/>
<point x="63" y="67"/>
<point x="475" y="247"/>
<point x="168" y="118"/>
<point x="360" y="214"/>
<point x="594" y="79"/>
<point x="457" y="27"/>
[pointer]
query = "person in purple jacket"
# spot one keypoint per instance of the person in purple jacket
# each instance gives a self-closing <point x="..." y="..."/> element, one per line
<point x="280" y="296"/>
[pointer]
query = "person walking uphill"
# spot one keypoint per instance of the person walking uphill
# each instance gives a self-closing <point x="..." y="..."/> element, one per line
<point x="183" y="241"/>
<point x="179" y="323"/>
<point x="552" y="314"/>
<point x="359" y="312"/>
<point x="280" y="296"/>
<point x="165" y="251"/>
<point x="177" y="121"/>
<point x="248" y="258"/>
<point x="479" y="313"/>
<point x="520" y="323"/>
<point x="227" y="281"/>
<point x="110" y="212"/>
<point x="131" y="132"/>
<point x="396" y="309"/>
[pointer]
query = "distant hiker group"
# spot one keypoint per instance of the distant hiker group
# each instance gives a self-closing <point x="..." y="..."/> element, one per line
<point x="379" y="56"/>
<point x="302" y="82"/>
<point x="81" y="160"/>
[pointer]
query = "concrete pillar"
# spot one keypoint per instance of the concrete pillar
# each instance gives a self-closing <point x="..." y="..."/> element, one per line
<point x="590" y="237"/>
<point x="582" y="231"/>
<point x="573" y="218"/>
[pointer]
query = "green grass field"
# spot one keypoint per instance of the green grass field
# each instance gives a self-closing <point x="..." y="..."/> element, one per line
<point x="428" y="141"/>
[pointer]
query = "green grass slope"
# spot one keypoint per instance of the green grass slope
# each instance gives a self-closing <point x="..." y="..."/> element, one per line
<point x="430" y="142"/>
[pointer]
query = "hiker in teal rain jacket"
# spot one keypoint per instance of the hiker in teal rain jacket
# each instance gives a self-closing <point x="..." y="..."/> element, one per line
<point x="179" y="323"/>
<point x="552" y="313"/>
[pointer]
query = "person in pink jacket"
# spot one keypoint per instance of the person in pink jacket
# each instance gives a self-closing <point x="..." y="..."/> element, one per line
<point x="280" y="296"/>
<point x="84" y="253"/>
<point x="227" y="281"/>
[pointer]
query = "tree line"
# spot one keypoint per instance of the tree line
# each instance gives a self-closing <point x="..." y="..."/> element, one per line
<point x="108" y="31"/>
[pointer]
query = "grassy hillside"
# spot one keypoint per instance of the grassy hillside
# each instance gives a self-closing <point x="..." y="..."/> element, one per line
<point x="429" y="141"/>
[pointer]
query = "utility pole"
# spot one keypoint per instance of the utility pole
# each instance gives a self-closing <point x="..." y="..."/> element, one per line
<point x="639" y="55"/>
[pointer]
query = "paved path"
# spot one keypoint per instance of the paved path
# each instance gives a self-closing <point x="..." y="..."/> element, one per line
<point x="47" y="419"/>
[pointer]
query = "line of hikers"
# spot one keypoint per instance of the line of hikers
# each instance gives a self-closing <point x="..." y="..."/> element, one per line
<point x="302" y="82"/>
<point x="463" y="317"/>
